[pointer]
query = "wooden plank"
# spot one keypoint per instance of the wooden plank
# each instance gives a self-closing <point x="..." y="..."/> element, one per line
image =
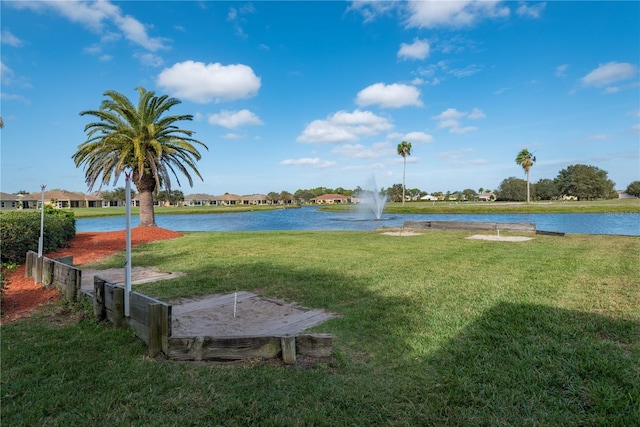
<point x="315" y="345"/>
<point x="223" y="348"/>
<point x="99" y="309"/>
<point x="155" y="329"/>
<point x="29" y="264"/>
<point x="47" y="272"/>
<point x="118" y="307"/>
<point x="288" y="344"/>
<point x="71" y="284"/>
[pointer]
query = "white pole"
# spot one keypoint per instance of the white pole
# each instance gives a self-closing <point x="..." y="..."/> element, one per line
<point x="41" y="239"/>
<point x="127" y="269"/>
<point x="235" y="303"/>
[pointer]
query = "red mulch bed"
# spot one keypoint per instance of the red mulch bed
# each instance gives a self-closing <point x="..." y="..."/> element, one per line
<point x="22" y="295"/>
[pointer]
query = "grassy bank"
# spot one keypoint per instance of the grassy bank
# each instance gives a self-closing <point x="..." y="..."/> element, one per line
<point x="597" y="206"/>
<point x="435" y="330"/>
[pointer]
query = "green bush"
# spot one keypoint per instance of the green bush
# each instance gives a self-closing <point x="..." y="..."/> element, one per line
<point x="20" y="231"/>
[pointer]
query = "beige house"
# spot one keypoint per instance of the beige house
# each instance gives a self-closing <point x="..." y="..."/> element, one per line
<point x="331" y="199"/>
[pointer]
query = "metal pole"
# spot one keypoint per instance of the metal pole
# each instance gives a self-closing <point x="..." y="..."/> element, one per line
<point x="127" y="276"/>
<point x="41" y="239"/>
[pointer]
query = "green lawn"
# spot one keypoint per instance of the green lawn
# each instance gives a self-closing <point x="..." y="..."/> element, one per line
<point x="434" y="330"/>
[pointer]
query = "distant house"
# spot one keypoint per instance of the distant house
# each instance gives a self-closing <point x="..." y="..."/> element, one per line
<point x="63" y="199"/>
<point x="9" y="201"/>
<point x="487" y="197"/>
<point x="227" y="200"/>
<point x="256" y="199"/>
<point x="331" y="199"/>
<point x="429" y="197"/>
<point x="198" y="199"/>
<point x="622" y="194"/>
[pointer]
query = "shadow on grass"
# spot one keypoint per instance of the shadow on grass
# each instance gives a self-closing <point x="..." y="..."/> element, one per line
<point x="522" y="364"/>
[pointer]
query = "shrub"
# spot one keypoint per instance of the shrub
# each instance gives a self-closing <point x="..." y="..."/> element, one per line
<point x="20" y="231"/>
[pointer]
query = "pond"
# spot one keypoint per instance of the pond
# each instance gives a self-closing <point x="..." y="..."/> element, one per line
<point x="310" y="218"/>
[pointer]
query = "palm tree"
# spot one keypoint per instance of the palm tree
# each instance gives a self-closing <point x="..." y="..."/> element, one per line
<point x="526" y="159"/>
<point x="404" y="149"/>
<point x="141" y="139"/>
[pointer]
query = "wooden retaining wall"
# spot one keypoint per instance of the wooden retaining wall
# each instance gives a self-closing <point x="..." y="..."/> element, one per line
<point x="57" y="273"/>
<point x="464" y="225"/>
<point x="151" y="320"/>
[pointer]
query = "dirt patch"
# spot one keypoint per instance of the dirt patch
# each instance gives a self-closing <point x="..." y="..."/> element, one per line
<point x="500" y="238"/>
<point x="22" y="295"/>
<point x="401" y="233"/>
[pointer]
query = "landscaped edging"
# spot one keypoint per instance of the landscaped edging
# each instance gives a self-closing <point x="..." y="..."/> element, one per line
<point x="151" y="320"/>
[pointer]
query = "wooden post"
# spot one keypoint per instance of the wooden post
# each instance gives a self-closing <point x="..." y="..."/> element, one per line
<point x="47" y="272"/>
<point x="29" y="263"/>
<point x="38" y="274"/>
<point x="99" y="309"/>
<point x="154" y="317"/>
<point x="118" y="307"/>
<point x="288" y="343"/>
<point x="70" y="287"/>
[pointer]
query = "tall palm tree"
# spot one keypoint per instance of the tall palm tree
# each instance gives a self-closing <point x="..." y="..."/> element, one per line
<point x="526" y="159"/>
<point x="141" y="139"/>
<point x="404" y="149"/>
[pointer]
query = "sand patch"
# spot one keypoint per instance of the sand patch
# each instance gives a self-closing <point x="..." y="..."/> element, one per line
<point x="401" y="233"/>
<point x="500" y="238"/>
<point x="117" y="276"/>
<point x="255" y="315"/>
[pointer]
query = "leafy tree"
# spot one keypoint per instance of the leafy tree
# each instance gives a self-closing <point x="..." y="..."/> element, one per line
<point x="141" y="139"/>
<point x="395" y="193"/>
<point x="512" y="189"/>
<point x="273" y="196"/>
<point x="174" y="197"/>
<point x="634" y="189"/>
<point x="526" y="160"/>
<point x="585" y="182"/>
<point x="469" y="194"/>
<point x="546" y="189"/>
<point x="404" y="149"/>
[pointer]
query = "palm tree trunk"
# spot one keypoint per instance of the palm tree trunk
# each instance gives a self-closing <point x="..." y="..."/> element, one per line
<point x="528" y="190"/>
<point x="146" y="184"/>
<point x="404" y="174"/>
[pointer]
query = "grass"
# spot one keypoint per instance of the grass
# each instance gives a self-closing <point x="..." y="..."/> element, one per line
<point x="435" y="330"/>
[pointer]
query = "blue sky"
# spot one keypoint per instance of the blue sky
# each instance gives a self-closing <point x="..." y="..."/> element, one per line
<point x="290" y="95"/>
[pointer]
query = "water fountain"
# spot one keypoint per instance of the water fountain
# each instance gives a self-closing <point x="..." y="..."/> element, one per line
<point x="372" y="200"/>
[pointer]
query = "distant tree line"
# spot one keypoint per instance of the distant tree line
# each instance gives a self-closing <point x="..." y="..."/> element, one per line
<point x="582" y="182"/>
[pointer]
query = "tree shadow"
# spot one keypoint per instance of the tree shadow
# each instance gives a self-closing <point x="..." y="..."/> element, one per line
<point x="527" y="364"/>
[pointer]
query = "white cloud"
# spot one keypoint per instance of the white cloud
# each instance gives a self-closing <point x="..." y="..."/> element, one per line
<point x="344" y="127"/>
<point x="561" y="70"/>
<point x="531" y="11"/>
<point x="232" y="135"/>
<point x="234" y="119"/>
<point x="202" y="83"/>
<point x="430" y="14"/>
<point x="315" y="163"/>
<point x="8" y="38"/>
<point x="359" y="151"/>
<point x="419" y="49"/>
<point x="413" y="137"/>
<point x="451" y="119"/>
<point x="477" y="113"/>
<point x="608" y="73"/>
<point x="149" y="59"/>
<point x="393" y="96"/>
<point x="96" y="16"/>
